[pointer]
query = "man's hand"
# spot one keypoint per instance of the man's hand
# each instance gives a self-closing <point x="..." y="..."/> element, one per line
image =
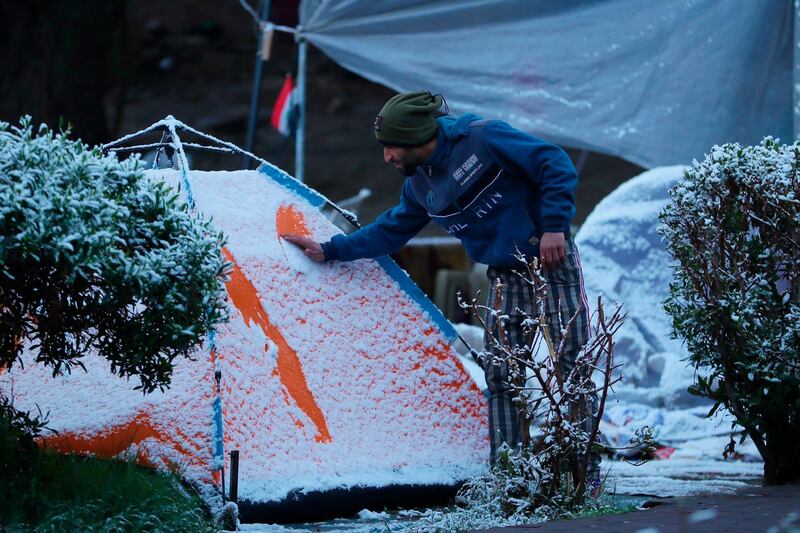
<point x="311" y="247"/>
<point x="552" y="250"/>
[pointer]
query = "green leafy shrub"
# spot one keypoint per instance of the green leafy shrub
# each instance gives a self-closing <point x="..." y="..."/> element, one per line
<point x="18" y="450"/>
<point x="96" y="257"/>
<point x="733" y="226"/>
<point x="76" y="493"/>
<point x="45" y="491"/>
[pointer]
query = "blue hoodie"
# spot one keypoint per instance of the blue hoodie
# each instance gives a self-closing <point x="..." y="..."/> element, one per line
<point x="494" y="187"/>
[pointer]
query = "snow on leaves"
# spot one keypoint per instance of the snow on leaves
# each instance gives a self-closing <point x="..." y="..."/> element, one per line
<point x="733" y="225"/>
<point x="96" y="256"/>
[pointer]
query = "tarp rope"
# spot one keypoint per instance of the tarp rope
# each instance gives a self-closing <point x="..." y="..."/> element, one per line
<point x="264" y="26"/>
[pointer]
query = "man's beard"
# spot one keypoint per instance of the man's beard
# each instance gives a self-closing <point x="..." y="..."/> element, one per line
<point x="407" y="168"/>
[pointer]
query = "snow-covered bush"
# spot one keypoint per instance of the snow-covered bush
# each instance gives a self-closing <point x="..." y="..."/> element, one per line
<point x="545" y="477"/>
<point x="499" y="498"/>
<point x="228" y="517"/>
<point x="733" y="225"/>
<point x="97" y="258"/>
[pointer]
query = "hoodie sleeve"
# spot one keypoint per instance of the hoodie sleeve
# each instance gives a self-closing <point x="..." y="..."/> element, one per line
<point x="546" y="164"/>
<point x="390" y="231"/>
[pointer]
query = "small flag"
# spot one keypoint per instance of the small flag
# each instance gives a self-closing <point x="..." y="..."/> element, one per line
<point x="663" y="452"/>
<point x="284" y="108"/>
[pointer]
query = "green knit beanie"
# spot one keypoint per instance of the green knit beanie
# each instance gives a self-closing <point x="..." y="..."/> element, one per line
<point x="409" y="119"/>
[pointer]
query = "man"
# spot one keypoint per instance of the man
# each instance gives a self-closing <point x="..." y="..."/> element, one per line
<point x="497" y="189"/>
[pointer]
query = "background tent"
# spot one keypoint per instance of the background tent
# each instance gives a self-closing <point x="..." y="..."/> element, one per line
<point x="625" y="260"/>
<point x="653" y="82"/>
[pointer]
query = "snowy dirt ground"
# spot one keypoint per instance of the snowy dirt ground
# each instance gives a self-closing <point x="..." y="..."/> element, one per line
<point x="628" y="484"/>
<point x="683" y="477"/>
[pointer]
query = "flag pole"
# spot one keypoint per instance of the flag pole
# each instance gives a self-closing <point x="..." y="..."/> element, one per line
<point x="299" y="166"/>
<point x="257" y="77"/>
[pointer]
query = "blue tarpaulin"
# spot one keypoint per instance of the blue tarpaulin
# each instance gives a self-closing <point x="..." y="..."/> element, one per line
<point x="656" y="83"/>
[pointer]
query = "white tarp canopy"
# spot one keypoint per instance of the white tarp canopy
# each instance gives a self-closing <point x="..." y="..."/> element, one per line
<point x="656" y="83"/>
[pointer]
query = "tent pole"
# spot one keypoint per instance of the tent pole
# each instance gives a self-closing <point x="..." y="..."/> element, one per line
<point x="299" y="166"/>
<point x="254" y="98"/>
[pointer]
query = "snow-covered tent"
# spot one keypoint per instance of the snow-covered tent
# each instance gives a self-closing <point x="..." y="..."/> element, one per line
<point x="337" y="382"/>
<point x="625" y="260"/>
<point x="656" y="83"/>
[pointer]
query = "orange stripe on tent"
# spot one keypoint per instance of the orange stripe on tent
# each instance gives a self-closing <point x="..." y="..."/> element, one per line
<point x="246" y="299"/>
<point x="289" y="220"/>
<point x="110" y="443"/>
<point x="114" y="441"/>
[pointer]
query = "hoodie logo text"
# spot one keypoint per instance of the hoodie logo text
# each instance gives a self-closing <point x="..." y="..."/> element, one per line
<point x="465" y="171"/>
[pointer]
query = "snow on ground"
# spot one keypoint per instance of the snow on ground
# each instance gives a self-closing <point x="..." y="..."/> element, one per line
<point x="677" y="476"/>
<point x="682" y="477"/>
<point x="667" y="478"/>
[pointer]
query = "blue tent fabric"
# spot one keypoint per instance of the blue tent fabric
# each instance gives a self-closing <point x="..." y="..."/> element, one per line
<point x="656" y="83"/>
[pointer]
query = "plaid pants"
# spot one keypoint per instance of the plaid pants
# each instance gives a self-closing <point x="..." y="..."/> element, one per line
<point x="565" y="292"/>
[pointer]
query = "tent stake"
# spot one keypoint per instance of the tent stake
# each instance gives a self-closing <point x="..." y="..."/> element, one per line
<point x="234" y="484"/>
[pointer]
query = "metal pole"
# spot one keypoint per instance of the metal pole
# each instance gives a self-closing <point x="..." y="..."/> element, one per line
<point x="796" y="84"/>
<point x="234" y="485"/>
<point x="582" y="157"/>
<point x="254" y="98"/>
<point x="299" y="166"/>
